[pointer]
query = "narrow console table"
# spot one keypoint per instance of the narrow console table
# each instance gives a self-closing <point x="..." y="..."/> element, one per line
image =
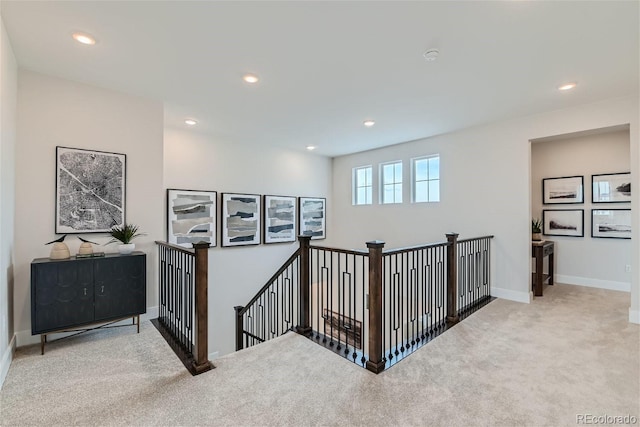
<point x="540" y="250"/>
<point x="75" y="293"/>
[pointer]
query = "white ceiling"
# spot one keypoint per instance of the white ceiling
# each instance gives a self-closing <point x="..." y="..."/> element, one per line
<point x="327" y="66"/>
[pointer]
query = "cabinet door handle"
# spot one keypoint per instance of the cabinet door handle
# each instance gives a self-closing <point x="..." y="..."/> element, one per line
<point x="85" y="291"/>
<point x="102" y="289"/>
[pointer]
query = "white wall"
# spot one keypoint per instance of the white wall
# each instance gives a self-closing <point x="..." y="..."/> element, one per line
<point x="54" y="112"/>
<point x="485" y="189"/>
<point x="8" y="95"/>
<point x="584" y="260"/>
<point x="197" y="162"/>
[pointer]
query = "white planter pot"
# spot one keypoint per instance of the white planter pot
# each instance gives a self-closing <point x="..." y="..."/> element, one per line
<point x="126" y="249"/>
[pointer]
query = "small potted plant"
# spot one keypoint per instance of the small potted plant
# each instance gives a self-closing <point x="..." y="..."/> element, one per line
<point x="124" y="234"/>
<point x="536" y="229"/>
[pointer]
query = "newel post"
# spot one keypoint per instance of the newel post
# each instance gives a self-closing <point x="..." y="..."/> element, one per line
<point x="239" y="327"/>
<point x="376" y="360"/>
<point x="304" y="328"/>
<point x="201" y="362"/>
<point x="452" y="279"/>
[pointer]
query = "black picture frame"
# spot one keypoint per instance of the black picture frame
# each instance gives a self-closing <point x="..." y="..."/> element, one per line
<point x="241" y="219"/>
<point x="611" y="187"/>
<point x="280" y="219"/>
<point x="563" y="222"/>
<point x="192" y="217"/>
<point x="312" y="217"/>
<point x="563" y="190"/>
<point x="90" y="190"/>
<point x="611" y="223"/>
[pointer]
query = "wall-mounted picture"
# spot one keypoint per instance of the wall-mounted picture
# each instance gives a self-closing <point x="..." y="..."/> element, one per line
<point x="191" y="217"/>
<point x="240" y="219"/>
<point x="90" y="190"/>
<point x="343" y="328"/>
<point x="611" y="188"/>
<point x="564" y="190"/>
<point x="565" y="222"/>
<point x="279" y="219"/>
<point x="313" y="216"/>
<point x="611" y="223"/>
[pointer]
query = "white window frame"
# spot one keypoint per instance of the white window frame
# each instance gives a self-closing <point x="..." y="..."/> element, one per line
<point x="394" y="183"/>
<point x="414" y="179"/>
<point x="355" y="186"/>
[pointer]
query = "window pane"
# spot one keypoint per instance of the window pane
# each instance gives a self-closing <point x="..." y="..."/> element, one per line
<point x="398" y="193"/>
<point x="368" y="193"/>
<point x="368" y="179"/>
<point x="360" y="198"/>
<point x="398" y="172"/>
<point x="434" y="190"/>
<point x="434" y="168"/>
<point x="420" y="169"/>
<point x="387" y="195"/>
<point x="360" y="177"/>
<point x="387" y="174"/>
<point x="421" y="192"/>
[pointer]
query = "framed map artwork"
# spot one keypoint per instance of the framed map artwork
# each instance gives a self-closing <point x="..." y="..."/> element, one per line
<point x="90" y="190"/>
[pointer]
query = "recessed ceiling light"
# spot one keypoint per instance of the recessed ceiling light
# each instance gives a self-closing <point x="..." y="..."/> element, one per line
<point x="431" y="54"/>
<point x="250" y="78"/>
<point x="190" y="122"/>
<point x="311" y="147"/>
<point x="567" y="86"/>
<point x="84" y="38"/>
<point x="368" y="123"/>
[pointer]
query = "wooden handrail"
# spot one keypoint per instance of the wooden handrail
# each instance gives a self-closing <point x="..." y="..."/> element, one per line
<point x="475" y="238"/>
<point x="414" y="248"/>
<point x="341" y="251"/>
<point x="177" y="247"/>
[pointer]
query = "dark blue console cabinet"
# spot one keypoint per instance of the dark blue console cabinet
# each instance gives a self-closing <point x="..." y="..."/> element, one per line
<point x="73" y="293"/>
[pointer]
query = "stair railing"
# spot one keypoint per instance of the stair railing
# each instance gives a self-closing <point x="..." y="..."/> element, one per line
<point x="374" y="307"/>
<point x="183" y="303"/>
<point x="275" y="309"/>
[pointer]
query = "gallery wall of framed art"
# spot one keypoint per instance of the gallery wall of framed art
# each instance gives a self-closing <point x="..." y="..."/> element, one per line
<point x="244" y="219"/>
<point x="606" y="188"/>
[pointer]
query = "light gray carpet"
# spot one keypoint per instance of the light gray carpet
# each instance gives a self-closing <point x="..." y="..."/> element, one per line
<point x="570" y="352"/>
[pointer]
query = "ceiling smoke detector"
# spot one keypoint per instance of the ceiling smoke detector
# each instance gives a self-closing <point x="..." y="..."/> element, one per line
<point x="431" y="54"/>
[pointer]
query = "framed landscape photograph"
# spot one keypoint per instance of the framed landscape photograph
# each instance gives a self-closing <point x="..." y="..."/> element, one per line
<point x="564" y="222"/>
<point x="313" y="217"/>
<point x="241" y="217"/>
<point x="611" y="223"/>
<point x="90" y="190"/>
<point x="191" y="217"/>
<point x="279" y="219"/>
<point x="563" y="190"/>
<point x="611" y="188"/>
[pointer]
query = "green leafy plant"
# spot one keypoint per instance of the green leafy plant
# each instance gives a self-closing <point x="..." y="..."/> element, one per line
<point x="536" y="225"/>
<point x="124" y="233"/>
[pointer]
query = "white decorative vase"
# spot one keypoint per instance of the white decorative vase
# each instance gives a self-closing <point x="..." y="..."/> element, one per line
<point x="59" y="250"/>
<point x="126" y="248"/>
<point x="85" y="249"/>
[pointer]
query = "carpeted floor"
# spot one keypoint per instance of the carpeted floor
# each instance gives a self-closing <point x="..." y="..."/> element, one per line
<point x="571" y="352"/>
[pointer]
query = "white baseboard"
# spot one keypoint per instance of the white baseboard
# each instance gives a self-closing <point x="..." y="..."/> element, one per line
<point x="25" y="338"/>
<point x="593" y="283"/>
<point x="518" y="296"/>
<point x="634" y="316"/>
<point x="5" y="362"/>
<point x="213" y="356"/>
